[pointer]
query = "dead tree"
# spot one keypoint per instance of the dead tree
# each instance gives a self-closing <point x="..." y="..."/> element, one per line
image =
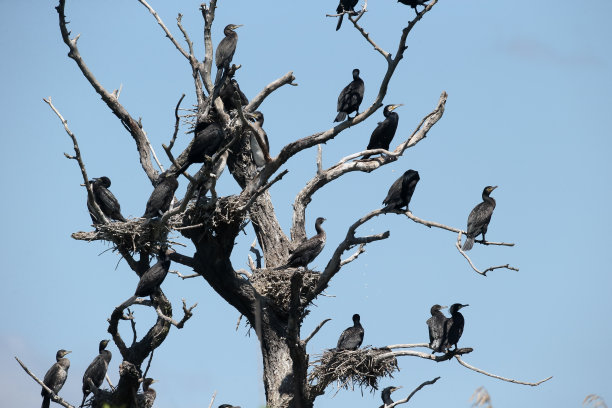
<point x="272" y="297"/>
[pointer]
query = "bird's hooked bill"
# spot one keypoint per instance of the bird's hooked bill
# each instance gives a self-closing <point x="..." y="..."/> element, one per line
<point x="393" y="107"/>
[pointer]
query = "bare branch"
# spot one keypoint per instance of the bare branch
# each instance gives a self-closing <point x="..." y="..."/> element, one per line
<point x="254" y="250"/>
<point x="187" y="315"/>
<point x="176" y="123"/>
<point x="288" y="78"/>
<point x="395" y="346"/>
<point x="315" y="331"/>
<point x="319" y="159"/>
<point x="208" y="13"/>
<point x="484" y="273"/>
<point x="54" y="396"/>
<point x="77" y="151"/>
<point x="466" y="365"/>
<point x="261" y="190"/>
<point x="180" y="275"/>
<point x="369" y="39"/>
<point x="163" y="26"/>
<point x="427" y="356"/>
<point x="212" y="399"/>
<point x="351" y="258"/>
<point x="417" y="389"/>
<point x="196" y="67"/>
<point x="148" y="364"/>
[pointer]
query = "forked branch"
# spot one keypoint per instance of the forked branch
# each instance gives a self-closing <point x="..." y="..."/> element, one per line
<point x="417" y="389"/>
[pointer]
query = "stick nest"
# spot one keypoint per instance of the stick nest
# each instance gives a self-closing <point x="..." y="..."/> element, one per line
<point x="276" y="285"/>
<point x="350" y="368"/>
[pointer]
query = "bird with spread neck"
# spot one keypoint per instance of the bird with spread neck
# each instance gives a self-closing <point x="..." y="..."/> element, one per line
<point x="148" y="393"/>
<point x="385" y="131"/>
<point x="454" y="325"/>
<point x="261" y="153"/>
<point x="352" y="337"/>
<point x="479" y="218"/>
<point x="308" y="250"/>
<point x="106" y="200"/>
<point x="155" y="275"/>
<point x="437" y="329"/>
<point x="55" y="376"/>
<point x="97" y="369"/>
<point x="344" y="5"/>
<point x="225" y="51"/>
<point x="414" y="3"/>
<point x="386" y="395"/>
<point x="161" y="197"/>
<point x="401" y="191"/>
<point x="350" y="98"/>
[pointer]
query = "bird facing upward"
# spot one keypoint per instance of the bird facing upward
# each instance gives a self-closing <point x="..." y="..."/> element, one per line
<point x="308" y="250"/>
<point x="385" y="131"/>
<point x="55" y="376"/>
<point x="96" y="371"/>
<point x="351" y="338"/>
<point x="479" y="218"/>
<point x="225" y="51"/>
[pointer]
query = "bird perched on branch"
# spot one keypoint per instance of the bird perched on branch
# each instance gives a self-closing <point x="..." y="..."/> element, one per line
<point x="225" y="51"/>
<point x="55" y="376"/>
<point x="414" y="3"/>
<point x="226" y="93"/>
<point x="161" y="197"/>
<point x="350" y="98"/>
<point x="308" y="250"/>
<point x="401" y="191"/>
<point x="386" y="395"/>
<point x="207" y="141"/>
<point x="479" y="218"/>
<point x="351" y="338"/>
<point x="385" y="131"/>
<point x="260" y="152"/>
<point x="105" y="199"/>
<point x="155" y="275"/>
<point x="149" y="393"/>
<point x="454" y="326"/>
<point x="437" y="329"/>
<point x="344" y="5"/>
<point x="97" y="369"/>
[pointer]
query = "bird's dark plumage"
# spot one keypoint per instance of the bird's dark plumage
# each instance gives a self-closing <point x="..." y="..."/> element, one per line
<point x="229" y="87"/>
<point x="401" y="191"/>
<point x="308" y="250"/>
<point x="414" y="3"/>
<point x="161" y="197"/>
<point x="454" y="326"/>
<point x="149" y="393"/>
<point x="350" y="98"/>
<point x="259" y="152"/>
<point x="154" y="276"/>
<point x="344" y="5"/>
<point x="385" y="131"/>
<point x="479" y="218"/>
<point x="97" y="369"/>
<point x="351" y="338"/>
<point x="437" y="329"/>
<point x="208" y="139"/>
<point x="225" y="51"/>
<point x="386" y="395"/>
<point x="228" y="406"/>
<point x="106" y="200"/>
<point x="55" y="377"/>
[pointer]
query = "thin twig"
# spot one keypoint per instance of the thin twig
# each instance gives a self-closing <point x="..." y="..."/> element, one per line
<point x="176" y="123"/>
<point x="54" y="396"/>
<point x="483" y="273"/>
<point x="315" y="331"/>
<point x="417" y="389"/>
<point x="148" y="364"/>
<point x="463" y="363"/>
<point x="163" y="26"/>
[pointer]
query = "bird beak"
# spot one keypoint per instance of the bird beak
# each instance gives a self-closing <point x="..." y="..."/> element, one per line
<point x="154" y="381"/>
<point x="69" y="351"/>
<point x="464" y="305"/>
<point x="393" y="107"/>
<point x="235" y="26"/>
<point x="396" y="388"/>
<point x="493" y="188"/>
<point x="443" y="307"/>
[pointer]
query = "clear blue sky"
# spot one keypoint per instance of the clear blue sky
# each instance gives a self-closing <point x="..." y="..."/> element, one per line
<point x="528" y="109"/>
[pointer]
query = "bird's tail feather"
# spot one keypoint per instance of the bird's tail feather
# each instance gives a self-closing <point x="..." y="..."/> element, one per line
<point x="469" y="243"/>
<point x="219" y="76"/>
<point x="339" y="22"/>
<point x="46" y="402"/>
<point x="340" y="117"/>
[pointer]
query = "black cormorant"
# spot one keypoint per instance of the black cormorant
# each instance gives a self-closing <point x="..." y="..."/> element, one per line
<point x="106" y="200"/>
<point x="208" y="139"/>
<point x="55" y="377"/>
<point x="161" y="197"/>
<point x="155" y="275"/>
<point x="225" y="50"/>
<point x="386" y="395"/>
<point x="350" y="98"/>
<point x="351" y="338"/>
<point x="437" y="329"/>
<point x="383" y="134"/>
<point x="229" y="87"/>
<point x="414" y="3"/>
<point x="97" y="369"/>
<point x="454" y="326"/>
<point x="344" y="5"/>
<point x="149" y="393"/>
<point x="259" y="152"/>
<point x="479" y="218"/>
<point x="308" y="250"/>
<point x="401" y="191"/>
<point x="228" y="406"/>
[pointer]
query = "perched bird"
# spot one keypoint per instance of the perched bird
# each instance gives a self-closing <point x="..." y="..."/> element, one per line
<point x="351" y="338"/>
<point x="454" y="326"/>
<point x="350" y="98"/>
<point x="226" y="93"/>
<point x="259" y="152"/>
<point x="386" y="395"/>
<point x="228" y="406"/>
<point x="208" y="139"/>
<point x="155" y="275"/>
<point x="401" y="191"/>
<point x="308" y="250"/>
<point x="55" y="377"/>
<point x="344" y="5"/>
<point x="479" y="218"/>
<point x="414" y="3"/>
<point x="97" y="369"/>
<point x="225" y="51"/>
<point x="148" y="393"/>
<point x="161" y="197"/>
<point x="385" y="131"/>
<point x="105" y="199"/>
<point x="437" y="329"/>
